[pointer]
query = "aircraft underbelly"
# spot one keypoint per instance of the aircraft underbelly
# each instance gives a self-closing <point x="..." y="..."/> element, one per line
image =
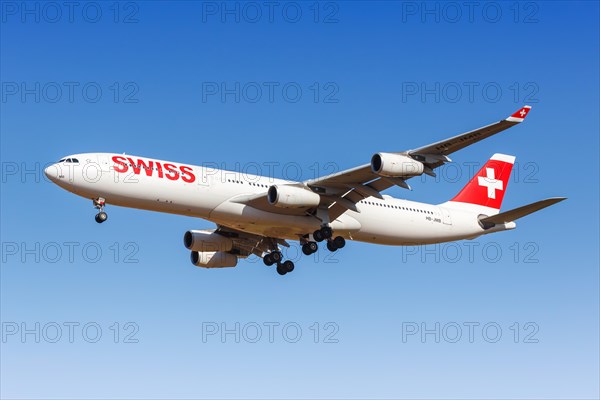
<point x="409" y="229"/>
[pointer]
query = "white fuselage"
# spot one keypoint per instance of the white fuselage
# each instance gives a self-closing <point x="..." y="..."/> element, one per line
<point x="211" y="193"/>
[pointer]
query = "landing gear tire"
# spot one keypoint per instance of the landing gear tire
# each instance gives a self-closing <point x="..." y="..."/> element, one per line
<point x="101" y="217"/>
<point x="268" y="260"/>
<point x="318" y="235"/>
<point x="99" y="204"/>
<point x="281" y="270"/>
<point x="331" y="246"/>
<point x="273" y="257"/>
<point x="288" y="266"/>
<point x="285" y="267"/>
<point x="324" y="233"/>
<point x="309" y="248"/>
<point x="339" y="242"/>
<point x="276" y="256"/>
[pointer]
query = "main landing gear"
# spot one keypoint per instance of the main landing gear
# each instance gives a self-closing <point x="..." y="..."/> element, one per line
<point x="326" y="233"/>
<point x="322" y="234"/>
<point x="285" y="267"/>
<point x="308" y="248"/>
<point x="275" y="257"/>
<point x="99" y="204"/>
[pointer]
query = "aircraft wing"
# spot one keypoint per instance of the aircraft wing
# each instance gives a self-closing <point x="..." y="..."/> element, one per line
<point x="449" y="146"/>
<point x="342" y="190"/>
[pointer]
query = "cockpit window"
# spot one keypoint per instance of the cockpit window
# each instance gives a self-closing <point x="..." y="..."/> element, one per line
<point x="68" y="160"/>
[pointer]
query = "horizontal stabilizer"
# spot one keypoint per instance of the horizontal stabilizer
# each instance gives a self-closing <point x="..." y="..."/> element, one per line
<point x="513" y="215"/>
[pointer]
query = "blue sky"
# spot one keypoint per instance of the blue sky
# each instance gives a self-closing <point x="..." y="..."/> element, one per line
<point x="308" y="87"/>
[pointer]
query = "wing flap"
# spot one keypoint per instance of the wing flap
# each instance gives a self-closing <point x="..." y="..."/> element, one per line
<point x="245" y="244"/>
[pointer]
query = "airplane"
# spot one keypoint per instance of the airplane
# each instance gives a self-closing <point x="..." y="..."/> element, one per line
<point x="257" y="215"/>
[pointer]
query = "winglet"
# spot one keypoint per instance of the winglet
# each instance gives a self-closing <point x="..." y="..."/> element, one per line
<point x="520" y="115"/>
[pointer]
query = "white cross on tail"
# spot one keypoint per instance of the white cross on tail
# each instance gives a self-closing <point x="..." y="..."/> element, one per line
<point x="490" y="182"/>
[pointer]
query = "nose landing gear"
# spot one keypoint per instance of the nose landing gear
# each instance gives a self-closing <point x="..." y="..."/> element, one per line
<point x="99" y="204"/>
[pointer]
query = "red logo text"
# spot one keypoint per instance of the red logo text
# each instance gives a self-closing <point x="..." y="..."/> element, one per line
<point x="151" y="168"/>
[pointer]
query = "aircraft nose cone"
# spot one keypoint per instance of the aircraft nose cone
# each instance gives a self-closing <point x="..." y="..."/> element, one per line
<point x="51" y="172"/>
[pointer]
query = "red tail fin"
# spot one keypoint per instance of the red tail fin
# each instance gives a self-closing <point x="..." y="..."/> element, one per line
<point x="488" y="186"/>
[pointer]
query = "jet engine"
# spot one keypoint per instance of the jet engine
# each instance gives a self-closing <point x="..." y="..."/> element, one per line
<point x="292" y="197"/>
<point x="213" y="259"/>
<point x="206" y="241"/>
<point x="395" y="165"/>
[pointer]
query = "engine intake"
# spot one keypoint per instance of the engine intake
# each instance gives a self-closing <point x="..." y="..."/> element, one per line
<point x="395" y="165"/>
<point x="213" y="259"/>
<point x="206" y="241"/>
<point x="292" y="197"/>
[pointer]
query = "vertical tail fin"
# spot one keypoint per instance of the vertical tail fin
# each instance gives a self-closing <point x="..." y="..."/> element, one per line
<point x="487" y="187"/>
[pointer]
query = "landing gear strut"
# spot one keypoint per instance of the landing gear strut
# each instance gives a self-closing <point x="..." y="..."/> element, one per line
<point x="99" y="204"/>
